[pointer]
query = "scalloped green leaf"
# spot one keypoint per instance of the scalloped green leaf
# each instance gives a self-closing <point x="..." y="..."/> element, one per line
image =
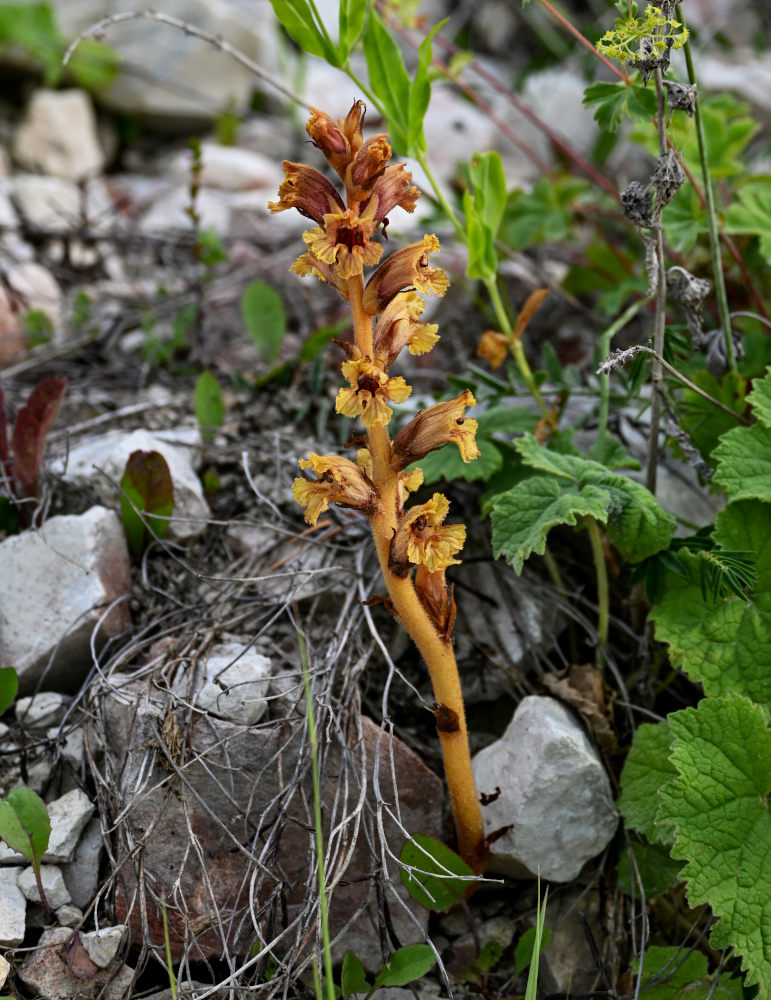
<point x="576" y="487"/>
<point x="673" y="974"/>
<point x="447" y="463"/>
<point x="727" y="645"/>
<point x="719" y="805"/>
<point x="647" y="770"/>
<point x="760" y="398"/>
<point x="744" y="463"/>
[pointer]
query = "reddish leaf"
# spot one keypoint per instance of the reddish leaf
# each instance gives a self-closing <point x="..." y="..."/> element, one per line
<point x="31" y="429"/>
<point x="146" y="490"/>
<point x="5" y="455"/>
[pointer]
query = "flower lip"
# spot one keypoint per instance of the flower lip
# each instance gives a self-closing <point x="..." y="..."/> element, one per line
<point x="404" y="269"/>
<point x="422" y="539"/>
<point x="439" y="424"/>
<point x="307" y="190"/>
<point x="338" y="480"/>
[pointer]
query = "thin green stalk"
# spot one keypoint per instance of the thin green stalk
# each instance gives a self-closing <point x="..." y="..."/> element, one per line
<point x="447" y="208"/>
<point x="712" y="222"/>
<point x="605" y="338"/>
<point x="317" y="823"/>
<point x="167" y="943"/>
<point x="601" y="573"/>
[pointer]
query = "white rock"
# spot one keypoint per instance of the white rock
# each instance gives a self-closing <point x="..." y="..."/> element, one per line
<point x="13" y="907"/>
<point x="69" y="816"/>
<point x="102" y="945"/>
<point x="69" y="915"/>
<point x="41" y="710"/>
<point x="554" y="790"/>
<point x="171" y="212"/>
<point x="58" y="135"/>
<point x="70" y="747"/>
<point x="53" y="886"/>
<point x="4" y="731"/>
<point x="235" y="684"/>
<point x="60" y="579"/>
<point x="101" y="462"/>
<point x="36" y="288"/>
<point x="81" y="875"/>
<point x="56" y="203"/>
<point x="46" y="972"/>
<point x="5" y="968"/>
<point x="230" y="168"/>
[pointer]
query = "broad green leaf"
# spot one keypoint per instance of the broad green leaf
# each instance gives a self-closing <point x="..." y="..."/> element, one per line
<point x="32" y="27"/>
<point x="704" y="423"/>
<point x="658" y="871"/>
<point x="489" y="956"/>
<point x="612" y="454"/>
<point x="482" y="256"/>
<point x="389" y="80"/>
<point x="9" y="685"/>
<point x="446" y="463"/>
<point x="613" y="100"/>
<point x="489" y="181"/>
<point x="24" y="823"/>
<point x="542" y="215"/>
<point x="436" y="890"/>
<point x="719" y="806"/>
<point x="318" y="340"/>
<point x="750" y="214"/>
<point x="263" y="313"/>
<point x="647" y="770"/>
<point x="406" y="965"/>
<point x="575" y="488"/>
<point x="760" y="398"/>
<point x="744" y="463"/>
<point x="146" y="489"/>
<point x="351" y="21"/>
<point x="297" y="17"/>
<point x="420" y="95"/>
<point x="673" y="974"/>
<point x="505" y="420"/>
<point x="209" y="404"/>
<point x="353" y="977"/>
<point x="724" y="646"/>
<point x="94" y="64"/>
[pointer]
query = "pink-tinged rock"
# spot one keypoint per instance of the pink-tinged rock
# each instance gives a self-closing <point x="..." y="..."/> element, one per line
<point x="59" y="969"/>
<point x="62" y="583"/>
<point x="225" y="787"/>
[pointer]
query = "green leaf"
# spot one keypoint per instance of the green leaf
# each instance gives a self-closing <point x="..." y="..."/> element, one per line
<point x="318" y="340"/>
<point x="24" y="823"/>
<point x="32" y="27"/>
<point x="575" y="488"/>
<point x="9" y="685"/>
<point x="406" y="965"/>
<point x="297" y="18"/>
<point x="760" y="398"/>
<point x="146" y="489"/>
<point x="539" y="942"/>
<point x="673" y="974"/>
<point x="436" y="890"/>
<point x="389" y="80"/>
<point x="613" y="455"/>
<point x="489" y="180"/>
<point x="351" y="21"/>
<point x="647" y="770"/>
<point x="209" y="404"/>
<point x="420" y="95"/>
<point x="505" y="420"/>
<point x="482" y="260"/>
<point x="685" y="219"/>
<point x="94" y="64"/>
<point x="523" y="953"/>
<point x="263" y="313"/>
<point x="658" y="871"/>
<point x="744" y="463"/>
<point x="542" y="215"/>
<point x="725" y="646"/>
<point x="446" y="463"/>
<point x="719" y="806"/>
<point x="489" y="956"/>
<point x="614" y="100"/>
<point x="353" y="978"/>
<point x="704" y="423"/>
<point x="750" y="214"/>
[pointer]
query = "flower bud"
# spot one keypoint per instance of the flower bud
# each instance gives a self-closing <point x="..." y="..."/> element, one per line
<point x="308" y="191"/>
<point x="437" y="425"/>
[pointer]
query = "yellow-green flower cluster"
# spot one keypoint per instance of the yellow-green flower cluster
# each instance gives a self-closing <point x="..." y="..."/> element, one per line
<point x="655" y="30"/>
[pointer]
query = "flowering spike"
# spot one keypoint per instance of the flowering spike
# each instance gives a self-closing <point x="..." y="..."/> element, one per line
<point x="437" y="425"/>
<point x="369" y="392"/>
<point x="406" y="268"/>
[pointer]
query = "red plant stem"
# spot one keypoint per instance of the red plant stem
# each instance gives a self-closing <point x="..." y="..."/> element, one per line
<point x="584" y="40"/>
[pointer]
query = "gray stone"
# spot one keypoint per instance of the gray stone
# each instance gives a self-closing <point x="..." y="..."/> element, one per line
<point x="58" y="135"/>
<point x="41" y="710"/>
<point x="102" y="945"/>
<point x="53" y="886"/>
<point x="567" y="964"/>
<point x="101" y="462"/>
<point x="35" y="288"/>
<point x="59" y="969"/>
<point x="235" y="684"/>
<point x="555" y="794"/>
<point x="81" y="875"/>
<point x="13" y="907"/>
<point x="69" y="915"/>
<point x="230" y="168"/>
<point x="69" y="816"/>
<point x="60" y="580"/>
<point x="52" y="203"/>
<point x="70" y="745"/>
<point x="5" y="968"/>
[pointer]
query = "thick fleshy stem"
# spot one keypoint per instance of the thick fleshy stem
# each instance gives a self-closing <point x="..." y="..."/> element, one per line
<point x="435" y="650"/>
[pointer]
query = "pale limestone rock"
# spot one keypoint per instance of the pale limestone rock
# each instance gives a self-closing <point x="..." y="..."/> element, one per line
<point x="81" y="875"/>
<point x="69" y="816"/>
<point x="69" y="915"/>
<point x="53" y="886"/>
<point x="58" y="135"/>
<point x="13" y="908"/>
<point x="34" y="287"/>
<point x="230" y="168"/>
<point x="102" y="945"/>
<point x="235" y="684"/>
<point x="46" y="972"/>
<point x="41" y="710"/>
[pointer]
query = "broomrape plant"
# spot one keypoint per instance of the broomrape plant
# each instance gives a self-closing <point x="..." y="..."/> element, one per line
<point x="414" y="545"/>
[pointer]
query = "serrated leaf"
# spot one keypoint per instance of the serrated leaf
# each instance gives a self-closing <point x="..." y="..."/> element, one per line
<point x="208" y="403"/>
<point x="146" y="489"/>
<point x="647" y="770"/>
<point x="750" y="214"/>
<point x="389" y="80"/>
<point x="575" y="488"/>
<point x="760" y="398"/>
<point x="353" y="978"/>
<point x="263" y="313"/>
<point x="657" y="870"/>
<point x="429" y="883"/>
<point x="9" y="685"/>
<point x="718" y="804"/>
<point x="724" y="646"/>
<point x="613" y="454"/>
<point x="505" y="420"/>
<point x="406" y="965"/>
<point x="446" y="463"/>
<point x="24" y="823"/>
<point x="673" y="974"/>
<point x="610" y="102"/>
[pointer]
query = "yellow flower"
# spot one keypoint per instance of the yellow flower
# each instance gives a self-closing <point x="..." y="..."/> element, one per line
<point x="437" y="425"/>
<point x="338" y="481"/>
<point x="308" y="191"/>
<point x="398" y="326"/>
<point x="493" y="347"/>
<point x="308" y="263"/>
<point x="369" y="392"/>
<point x="422" y="539"/>
<point x="406" y="268"/>
<point x="344" y="242"/>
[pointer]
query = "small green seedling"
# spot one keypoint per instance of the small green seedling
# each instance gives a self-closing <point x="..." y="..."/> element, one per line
<point x="9" y="686"/>
<point x="263" y="313"/>
<point x="147" y="498"/>
<point x="406" y="965"/>
<point x="26" y="828"/>
<point x="433" y="874"/>
<point x="209" y="404"/>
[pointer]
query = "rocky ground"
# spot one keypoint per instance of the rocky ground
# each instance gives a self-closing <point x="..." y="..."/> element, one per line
<point x="161" y="712"/>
